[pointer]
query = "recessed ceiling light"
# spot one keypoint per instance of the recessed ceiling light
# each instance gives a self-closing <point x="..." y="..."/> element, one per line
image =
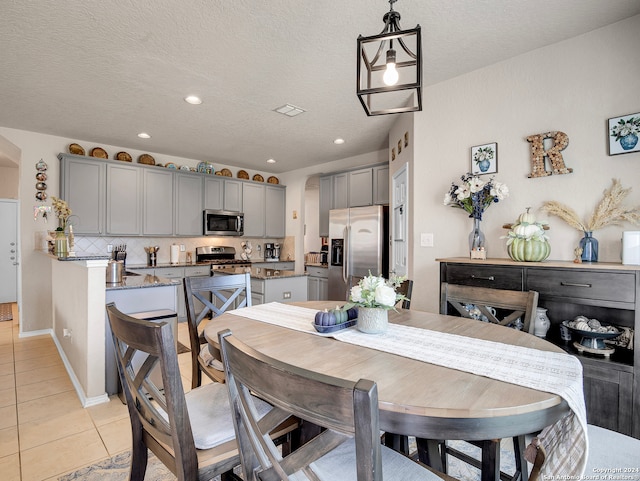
<point x="144" y="135"/>
<point x="338" y="141"/>
<point x="289" y="110"/>
<point x="271" y="161"/>
<point x="193" y="100"/>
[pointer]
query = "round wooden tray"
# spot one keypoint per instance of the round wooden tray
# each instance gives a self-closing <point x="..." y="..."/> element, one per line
<point x="76" y="149"/>
<point x="258" y="178"/>
<point x="99" y="153"/>
<point x="243" y="174"/>
<point x="146" y="159"/>
<point x="273" y="180"/>
<point x="123" y="156"/>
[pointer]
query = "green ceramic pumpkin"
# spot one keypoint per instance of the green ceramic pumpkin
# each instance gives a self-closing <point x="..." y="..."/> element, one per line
<point x="341" y="316"/>
<point x="529" y="250"/>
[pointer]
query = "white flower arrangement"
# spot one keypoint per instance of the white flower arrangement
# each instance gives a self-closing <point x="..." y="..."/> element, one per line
<point x="376" y="292"/>
<point x="475" y="195"/>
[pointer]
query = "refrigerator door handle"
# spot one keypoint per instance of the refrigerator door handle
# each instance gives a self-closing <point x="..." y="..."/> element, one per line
<point x="345" y="255"/>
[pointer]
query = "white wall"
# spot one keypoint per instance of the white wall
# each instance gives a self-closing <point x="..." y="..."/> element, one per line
<point x="573" y="86"/>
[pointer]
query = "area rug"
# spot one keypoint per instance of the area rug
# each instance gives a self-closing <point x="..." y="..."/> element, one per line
<point x="117" y="468"/>
<point x="6" y="313"/>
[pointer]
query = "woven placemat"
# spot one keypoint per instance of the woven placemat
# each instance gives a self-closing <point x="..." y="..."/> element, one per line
<point x="6" y="313"/>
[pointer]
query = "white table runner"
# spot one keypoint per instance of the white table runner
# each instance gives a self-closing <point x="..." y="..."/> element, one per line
<point x="565" y="442"/>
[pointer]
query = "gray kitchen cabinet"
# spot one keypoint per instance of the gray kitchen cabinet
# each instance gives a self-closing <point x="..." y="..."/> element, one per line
<point x="253" y="196"/>
<point x="123" y="200"/>
<point x="274" y="211"/>
<point x="157" y="202"/>
<point x="214" y="193"/>
<point x="360" y="188"/>
<point x="381" y="185"/>
<point x="281" y="265"/>
<point x="325" y="204"/>
<point x="188" y="213"/>
<point x="279" y="289"/>
<point x="609" y="292"/>
<point x="340" y="191"/>
<point x="317" y="283"/>
<point x="82" y="185"/>
<point x="233" y="195"/>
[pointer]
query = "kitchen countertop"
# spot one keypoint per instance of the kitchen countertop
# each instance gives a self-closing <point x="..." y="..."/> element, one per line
<point x="262" y="273"/>
<point x="167" y="264"/>
<point x="83" y="257"/>
<point x="137" y="281"/>
<point x="316" y="264"/>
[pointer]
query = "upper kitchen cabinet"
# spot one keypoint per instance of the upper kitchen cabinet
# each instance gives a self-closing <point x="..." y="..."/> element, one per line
<point x="264" y="210"/>
<point x="233" y="195"/>
<point x="82" y="185"/>
<point x="275" y="212"/>
<point x="381" y="185"/>
<point x="360" y="188"/>
<point x="356" y="188"/>
<point x="124" y="199"/>
<point x="157" y="202"/>
<point x="188" y="213"/>
<point x="222" y="194"/>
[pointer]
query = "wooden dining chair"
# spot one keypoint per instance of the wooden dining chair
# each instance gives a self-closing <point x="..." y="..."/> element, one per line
<point x="609" y="452"/>
<point x="207" y="297"/>
<point x="406" y="289"/>
<point x="192" y="434"/>
<point x="348" y="448"/>
<point x="499" y="306"/>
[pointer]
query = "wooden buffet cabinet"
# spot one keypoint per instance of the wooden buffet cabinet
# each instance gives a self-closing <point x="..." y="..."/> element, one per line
<point x="609" y="292"/>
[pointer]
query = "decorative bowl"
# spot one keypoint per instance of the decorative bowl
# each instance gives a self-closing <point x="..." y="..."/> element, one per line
<point x="335" y="327"/>
<point x="591" y="339"/>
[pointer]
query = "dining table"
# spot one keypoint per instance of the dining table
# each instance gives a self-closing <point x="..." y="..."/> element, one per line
<point x="416" y="398"/>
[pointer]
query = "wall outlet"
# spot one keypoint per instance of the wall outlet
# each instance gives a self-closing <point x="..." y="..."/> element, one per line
<point x="66" y="333"/>
<point x="286" y="295"/>
<point x="182" y="248"/>
<point x="426" y="239"/>
<point x="109" y="247"/>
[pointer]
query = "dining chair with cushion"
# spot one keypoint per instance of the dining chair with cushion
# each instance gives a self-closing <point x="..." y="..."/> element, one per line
<point x="192" y="434"/>
<point x="347" y="448"/>
<point x="207" y="297"/>
<point x="609" y="452"/>
<point x="406" y="289"/>
<point x="498" y="306"/>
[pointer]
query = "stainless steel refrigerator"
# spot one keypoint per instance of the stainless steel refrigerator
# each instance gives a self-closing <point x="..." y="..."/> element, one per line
<point x="358" y="244"/>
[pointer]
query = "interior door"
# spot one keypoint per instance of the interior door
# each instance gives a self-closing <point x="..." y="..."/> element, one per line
<point x="400" y="216"/>
<point x="9" y="259"/>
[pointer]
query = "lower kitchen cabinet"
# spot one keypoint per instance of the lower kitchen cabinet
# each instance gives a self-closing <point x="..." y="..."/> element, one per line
<point x="609" y="292"/>
<point x="279" y="289"/>
<point x="317" y="283"/>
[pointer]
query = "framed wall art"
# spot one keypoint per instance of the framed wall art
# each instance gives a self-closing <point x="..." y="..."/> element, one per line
<point x="623" y="134"/>
<point x="484" y="159"/>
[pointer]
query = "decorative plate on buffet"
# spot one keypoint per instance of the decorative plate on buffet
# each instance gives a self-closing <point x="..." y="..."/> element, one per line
<point x="243" y="174"/>
<point x="123" y="156"/>
<point x="258" y="178"/>
<point x="99" y="153"/>
<point x="226" y="173"/>
<point x="146" y="159"/>
<point x="273" y="180"/>
<point x="76" y="149"/>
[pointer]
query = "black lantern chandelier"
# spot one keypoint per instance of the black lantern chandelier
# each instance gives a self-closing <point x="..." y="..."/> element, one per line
<point x="390" y="68"/>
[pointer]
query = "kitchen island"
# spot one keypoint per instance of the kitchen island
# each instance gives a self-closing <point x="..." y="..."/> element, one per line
<point x="270" y="285"/>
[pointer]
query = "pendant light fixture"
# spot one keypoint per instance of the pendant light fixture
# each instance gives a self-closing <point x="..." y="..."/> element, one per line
<point x="390" y="68"/>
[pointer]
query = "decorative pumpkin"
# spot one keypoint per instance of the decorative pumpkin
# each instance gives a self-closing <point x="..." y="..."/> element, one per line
<point x="352" y="313"/>
<point x="528" y="250"/>
<point x="341" y="316"/>
<point x="325" y="318"/>
<point x="526" y="241"/>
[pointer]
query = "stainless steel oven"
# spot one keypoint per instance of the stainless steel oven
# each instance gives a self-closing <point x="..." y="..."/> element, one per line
<point x="222" y="223"/>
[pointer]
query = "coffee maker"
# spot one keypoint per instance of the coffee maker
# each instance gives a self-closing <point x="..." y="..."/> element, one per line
<point x="270" y="252"/>
<point x="276" y="251"/>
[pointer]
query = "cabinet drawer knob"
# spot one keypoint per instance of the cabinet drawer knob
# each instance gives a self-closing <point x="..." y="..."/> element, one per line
<point x="489" y="278"/>
<point x="573" y="284"/>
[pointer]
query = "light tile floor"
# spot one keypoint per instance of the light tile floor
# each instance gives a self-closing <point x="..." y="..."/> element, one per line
<point x="44" y="430"/>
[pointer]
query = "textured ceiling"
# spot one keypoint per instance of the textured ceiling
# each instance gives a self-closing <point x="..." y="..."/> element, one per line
<point x="105" y="71"/>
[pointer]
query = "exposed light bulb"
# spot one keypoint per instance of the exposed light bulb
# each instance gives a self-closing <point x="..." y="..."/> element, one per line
<point x="390" y="76"/>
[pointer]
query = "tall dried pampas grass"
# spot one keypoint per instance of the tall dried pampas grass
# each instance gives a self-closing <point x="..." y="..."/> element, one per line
<point x="609" y="211"/>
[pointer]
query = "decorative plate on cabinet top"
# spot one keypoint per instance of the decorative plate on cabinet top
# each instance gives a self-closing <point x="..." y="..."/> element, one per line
<point x="99" y="153"/>
<point x="226" y="173"/>
<point x="76" y="149"/>
<point x="258" y="178"/>
<point x="171" y="165"/>
<point x="123" y="156"/>
<point x="185" y="167"/>
<point x="243" y="174"/>
<point x="202" y="167"/>
<point x="146" y="159"/>
<point x="273" y="180"/>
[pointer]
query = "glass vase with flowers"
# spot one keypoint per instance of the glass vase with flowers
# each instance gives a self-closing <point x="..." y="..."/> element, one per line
<point x="474" y="196"/>
<point x="62" y="210"/>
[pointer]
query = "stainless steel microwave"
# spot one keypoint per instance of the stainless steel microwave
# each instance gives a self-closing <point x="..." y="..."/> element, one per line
<point x="222" y="222"/>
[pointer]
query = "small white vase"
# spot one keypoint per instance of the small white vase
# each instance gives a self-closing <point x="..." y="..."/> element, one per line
<point x="372" y="320"/>
<point x="541" y="322"/>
